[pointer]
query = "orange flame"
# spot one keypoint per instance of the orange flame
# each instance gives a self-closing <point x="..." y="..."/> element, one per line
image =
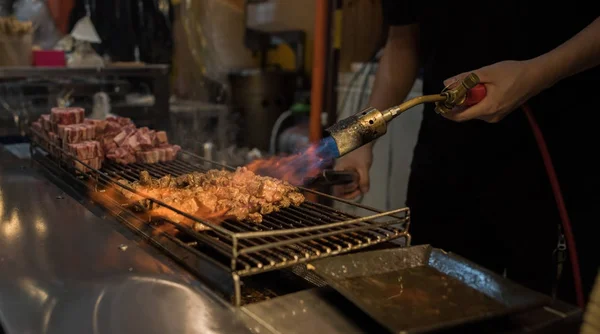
<point x="293" y="168"/>
<point x="124" y="198"/>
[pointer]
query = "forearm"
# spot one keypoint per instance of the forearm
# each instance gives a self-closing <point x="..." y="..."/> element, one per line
<point x="397" y="68"/>
<point x="578" y="54"/>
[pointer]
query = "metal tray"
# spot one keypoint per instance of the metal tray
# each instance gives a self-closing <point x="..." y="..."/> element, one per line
<point x="421" y="288"/>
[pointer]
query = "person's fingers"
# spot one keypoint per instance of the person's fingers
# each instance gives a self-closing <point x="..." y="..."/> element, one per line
<point x="361" y="185"/>
<point x="349" y="187"/>
<point x="347" y="191"/>
<point x="338" y="191"/>
<point x="344" y="165"/>
<point x="477" y="111"/>
<point x="453" y="80"/>
<point x="341" y="190"/>
<point x="480" y="110"/>
<point x="352" y="195"/>
<point x="483" y="74"/>
<point x="454" y="111"/>
<point x="363" y="179"/>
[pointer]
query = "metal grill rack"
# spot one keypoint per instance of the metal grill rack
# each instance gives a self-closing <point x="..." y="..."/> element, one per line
<point x="286" y="238"/>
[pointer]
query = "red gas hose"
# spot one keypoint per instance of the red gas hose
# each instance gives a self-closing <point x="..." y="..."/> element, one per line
<point x="474" y="96"/>
<point x="560" y="203"/>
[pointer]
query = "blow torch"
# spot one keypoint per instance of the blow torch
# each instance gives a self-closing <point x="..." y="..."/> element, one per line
<point x="370" y="123"/>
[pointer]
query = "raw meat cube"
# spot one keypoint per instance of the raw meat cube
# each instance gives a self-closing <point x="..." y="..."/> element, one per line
<point x="75" y="133"/>
<point x="55" y="143"/>
<point x="70" y="133"/>
<point x="162" y="154"/>
<point x="116" y="124"/>
<point x="110" y="147"/>
<point x="89" y="131"/>
<point x="46" y="123"/>
<point x="147" y="157"/>
<point x="95" y="163"/>
<point x="122" y="156"/>
<point x="123" y="136"/>
<point x="171" y="152"/>
<point x="132" y="143"/>
<point x="144" y="138"/>
<point x="176" y="148"/>
<point x="123" y="121"/>
<point x="161" y="136"/>
<point x="99" y="125"/>
<point x="85" y="150"/>
<point x="66" y="116"/>
<point x="112" y="128"/>
<point x="54" y="138"/>
<point x="38" y="127"/>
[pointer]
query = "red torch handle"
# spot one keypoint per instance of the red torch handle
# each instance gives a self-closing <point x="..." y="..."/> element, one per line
<point x="475" y="95"/>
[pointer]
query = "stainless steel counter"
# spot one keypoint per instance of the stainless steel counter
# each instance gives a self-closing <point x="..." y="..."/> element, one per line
<point x="67" y="270"/>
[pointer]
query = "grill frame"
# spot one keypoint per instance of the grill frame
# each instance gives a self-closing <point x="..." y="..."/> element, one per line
<point x="284" y="239"/>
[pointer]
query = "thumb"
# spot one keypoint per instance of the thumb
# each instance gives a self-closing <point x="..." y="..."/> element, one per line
<point x="452" y="80"/>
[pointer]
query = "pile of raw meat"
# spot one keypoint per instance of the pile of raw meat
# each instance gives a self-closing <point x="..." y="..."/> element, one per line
<point x="240" y="195"/>
<point x="92" y="141"/>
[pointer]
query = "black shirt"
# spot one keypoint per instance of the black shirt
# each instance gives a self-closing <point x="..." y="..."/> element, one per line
<point x="472" y="182"/>
<point x="456" y="37"/>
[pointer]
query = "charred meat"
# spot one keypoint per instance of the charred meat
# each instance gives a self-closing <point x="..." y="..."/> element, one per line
<point x="240" y="195"/>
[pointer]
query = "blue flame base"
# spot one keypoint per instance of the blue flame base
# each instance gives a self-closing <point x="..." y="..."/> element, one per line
<point x="328" y="149"/>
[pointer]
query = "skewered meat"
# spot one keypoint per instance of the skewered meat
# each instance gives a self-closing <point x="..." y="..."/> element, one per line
<point x="241" y="195"/>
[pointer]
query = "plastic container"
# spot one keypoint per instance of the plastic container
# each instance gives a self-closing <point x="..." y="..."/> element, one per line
<point x="49" y="58"/>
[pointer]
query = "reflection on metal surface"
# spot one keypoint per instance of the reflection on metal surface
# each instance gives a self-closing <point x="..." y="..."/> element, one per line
<point x="430" y="288"/>
<point x="40" y="227"/>
<point x="33" y="290"/>
<point x="47" y="314"/>
<point x="96" y="309"/>
<point x="63" y="271"/>
<point x="320" y="310"/>
<point x="159" y="304"/>
<point x="11" y="227"/>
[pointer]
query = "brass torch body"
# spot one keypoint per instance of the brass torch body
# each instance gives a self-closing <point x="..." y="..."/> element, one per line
<point x="370" y="123"/>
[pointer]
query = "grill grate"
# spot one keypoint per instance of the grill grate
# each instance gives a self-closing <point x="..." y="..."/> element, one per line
<point x="286" y="238"/>
<point x="265" y="251"/>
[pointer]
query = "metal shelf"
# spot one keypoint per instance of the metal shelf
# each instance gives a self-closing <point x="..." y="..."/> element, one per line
<point x="137" y="71"/>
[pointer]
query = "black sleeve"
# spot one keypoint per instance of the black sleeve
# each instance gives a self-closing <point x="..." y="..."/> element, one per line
<point x="401" y="12"/>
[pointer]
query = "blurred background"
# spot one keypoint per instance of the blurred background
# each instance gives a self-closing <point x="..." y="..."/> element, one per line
<point x="236" y="79"/>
